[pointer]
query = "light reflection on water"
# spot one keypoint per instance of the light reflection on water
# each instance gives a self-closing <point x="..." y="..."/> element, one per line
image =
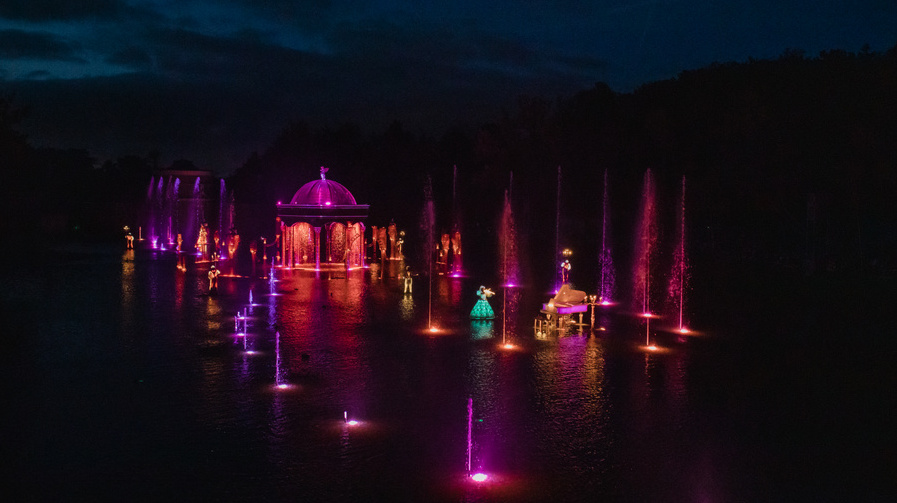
<point x="561" y="417"/>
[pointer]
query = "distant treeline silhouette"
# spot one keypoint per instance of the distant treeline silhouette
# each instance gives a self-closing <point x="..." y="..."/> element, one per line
<point x="789" y="161"/>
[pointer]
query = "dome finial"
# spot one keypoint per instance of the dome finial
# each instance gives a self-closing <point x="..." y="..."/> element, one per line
<point x="323" y="170"/>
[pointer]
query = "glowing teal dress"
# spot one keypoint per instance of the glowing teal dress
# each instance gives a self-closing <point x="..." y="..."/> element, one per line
<point x="482" y="310"/>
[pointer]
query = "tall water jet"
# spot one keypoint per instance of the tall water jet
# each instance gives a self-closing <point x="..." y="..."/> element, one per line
<point x="469" y="433"/>
<point x="510" y="266"/>
<point x="151" y="209"/>
<point x="679" y="276"/>
<point x="644" y="247"/>
<point x="476" y="477"/>
<point x="194" y="219"/>
<point x="557" y="236"/>
<point x="278" y="373"/>
<point x="456" y="269"/>
<point x="605" y="262"/>
<point x="222" y="203"/>
<point x="428" y="225"/>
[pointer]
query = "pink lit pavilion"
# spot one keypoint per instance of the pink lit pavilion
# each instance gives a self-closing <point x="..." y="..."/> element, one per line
<point x="322" y="205"/>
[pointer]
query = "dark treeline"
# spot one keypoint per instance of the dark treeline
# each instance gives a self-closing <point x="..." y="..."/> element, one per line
<point x="788" y="162"/>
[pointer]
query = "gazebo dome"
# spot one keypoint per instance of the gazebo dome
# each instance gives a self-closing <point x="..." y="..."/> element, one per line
<point x="323" y="192"/>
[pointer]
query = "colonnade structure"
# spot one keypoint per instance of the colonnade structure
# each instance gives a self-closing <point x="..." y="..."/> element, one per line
<point x="322" y="224"/>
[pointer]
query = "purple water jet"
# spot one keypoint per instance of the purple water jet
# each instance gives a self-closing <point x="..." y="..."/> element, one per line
<point x="278" y="373"/>
<point x="476" y="477"/>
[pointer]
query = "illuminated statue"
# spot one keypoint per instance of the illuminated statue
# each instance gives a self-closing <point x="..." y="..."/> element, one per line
<point x="213" y="279"/>
<point x="381" y="241"/>
<point x="482" y="310"/>
<point x="408" y="280"/>
<point x="130" y="239"/>
<point x="216" y="238"/>
<point x="253" y="249"/>
<point x="444" y="249"/>
<point x="233" y="242"/>
<point x="391" y="230"/>
<point x="401" y="242"/>
<point x="456" y="252"/>
<point x="180" y="241"/>
<point x="565" y="271"/>
<point x="203" y="240"/>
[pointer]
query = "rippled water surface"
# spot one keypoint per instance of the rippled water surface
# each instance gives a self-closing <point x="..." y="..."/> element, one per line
<point x="126" y="381"/>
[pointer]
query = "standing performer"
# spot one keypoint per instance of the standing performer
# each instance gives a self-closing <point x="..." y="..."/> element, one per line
<point x="482" y="310"/>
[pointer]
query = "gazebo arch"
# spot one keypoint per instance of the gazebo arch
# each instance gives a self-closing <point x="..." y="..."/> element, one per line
<point x="322" y="223"/>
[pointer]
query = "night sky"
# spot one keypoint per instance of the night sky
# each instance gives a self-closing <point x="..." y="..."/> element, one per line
<point x="212" y="81"/>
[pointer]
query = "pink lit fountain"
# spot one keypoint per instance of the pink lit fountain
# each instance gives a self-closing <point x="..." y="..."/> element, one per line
<point x="279" y="381"/>
<point x="605" y="263"/>
<point x="510" y="267"/>
<point x="479" y="476"/>
<point x="428" y="224"/>
<point x="679" y="276"/>
<point x="644" y="247"/>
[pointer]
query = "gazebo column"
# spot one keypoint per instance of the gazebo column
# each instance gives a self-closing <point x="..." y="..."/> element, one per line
<point x="317" y="248"/>
<point x="284" y="237"/>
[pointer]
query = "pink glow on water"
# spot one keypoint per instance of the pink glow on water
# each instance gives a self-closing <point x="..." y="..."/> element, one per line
<point x="479" y="477"/>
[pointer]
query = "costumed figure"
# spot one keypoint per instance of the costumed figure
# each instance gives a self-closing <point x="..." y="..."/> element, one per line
<point x="180" y="241"/>
<point x="408" y="279"/>
<point x="213" y="279"/>
<point x="130" y="238"/>
<point x="482" y="310"/>
<point x="565" y="271"/>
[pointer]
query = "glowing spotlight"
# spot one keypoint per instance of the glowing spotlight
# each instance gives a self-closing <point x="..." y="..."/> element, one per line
<point x="433" y="330"/>
<point x="283" y="386"/>
<point x="508" y="346"/>
<point x="479" y="477"/>
<point x="684" y="330"/>
<point x="652" y="347"/>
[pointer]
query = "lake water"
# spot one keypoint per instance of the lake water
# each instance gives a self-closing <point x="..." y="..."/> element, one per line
<point x="125" y="381"/>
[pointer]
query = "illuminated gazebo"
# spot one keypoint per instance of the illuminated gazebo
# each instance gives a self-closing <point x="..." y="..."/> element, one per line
<point x="322" y="205"/>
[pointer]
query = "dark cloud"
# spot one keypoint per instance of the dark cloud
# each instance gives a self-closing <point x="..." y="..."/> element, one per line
<point x="131" y="57"/>
<point x="19" y="44"/>
<point x="56" y="10"/>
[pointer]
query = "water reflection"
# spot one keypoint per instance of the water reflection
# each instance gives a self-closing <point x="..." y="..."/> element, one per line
<point x="482" y="329"/>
